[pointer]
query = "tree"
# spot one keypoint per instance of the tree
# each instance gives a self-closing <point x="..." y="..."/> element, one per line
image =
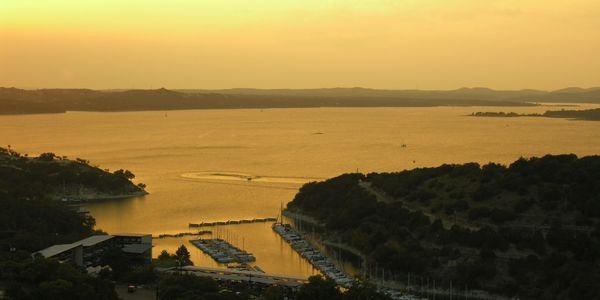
<point x="118" y="261"/>
<point x="46" y="279"/>
<point x="164" y="255"/>
<point x="183" y="256"/>
<point x="175" y="286"/>
<point x="124" y="174"/>
<point x="141" y="275"/>
<point x="364" y="291"/>
<point x="319" y="288"/>
<point x="83" y="161"/>
<point x="274" y="293"/>
<point x="48" y="156"/>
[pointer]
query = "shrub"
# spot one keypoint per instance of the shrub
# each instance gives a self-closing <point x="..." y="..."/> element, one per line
<point x="501" y="215"/>
<point x="479" y="212"/>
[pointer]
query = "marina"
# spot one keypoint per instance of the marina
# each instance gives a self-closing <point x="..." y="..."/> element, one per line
<point x="318" y="260"/>
<point x="222" y="251"/>
<point x="232" y="222"/>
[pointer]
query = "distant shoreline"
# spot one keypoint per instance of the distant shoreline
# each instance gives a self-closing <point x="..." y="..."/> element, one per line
<point x="586" y="114"/>
<point x="102" y="197"/>
<point x="486" y="104"/>
<point x="19" y="101"/>
<point x="15" y="101"/>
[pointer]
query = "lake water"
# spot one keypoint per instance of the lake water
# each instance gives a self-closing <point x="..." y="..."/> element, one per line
<point x="197" y="163"/>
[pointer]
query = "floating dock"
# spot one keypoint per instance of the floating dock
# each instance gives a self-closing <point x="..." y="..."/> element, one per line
<point x="222" y="251"/>
<point x="318" y="260"/>
<point x="182" y="234"/>
<point x="232" y="222"/>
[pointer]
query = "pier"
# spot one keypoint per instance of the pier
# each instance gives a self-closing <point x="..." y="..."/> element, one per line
<point x="318" y="260"/>
<point x="232" y="222"/>
<point x="182" y="234"/>
<point x="222" y="251"/>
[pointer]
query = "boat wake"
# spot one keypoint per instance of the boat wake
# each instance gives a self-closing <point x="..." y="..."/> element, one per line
<point x="232" y="176"/>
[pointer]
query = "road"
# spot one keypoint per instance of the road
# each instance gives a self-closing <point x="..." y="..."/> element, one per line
<point x="234" y="275"/>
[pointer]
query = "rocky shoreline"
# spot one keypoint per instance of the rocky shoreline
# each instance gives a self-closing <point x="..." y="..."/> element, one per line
<point x="89" y="197"/>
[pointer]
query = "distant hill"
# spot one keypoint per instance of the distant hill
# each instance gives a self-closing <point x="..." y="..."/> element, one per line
<point x="19" y="101"/>
<point x="481" y="94"/>
<point x="575" y="95"/>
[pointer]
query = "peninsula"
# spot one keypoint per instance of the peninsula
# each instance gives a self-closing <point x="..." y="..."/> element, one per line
<point x="59" y="178"/>
<point x="530" y="230"/>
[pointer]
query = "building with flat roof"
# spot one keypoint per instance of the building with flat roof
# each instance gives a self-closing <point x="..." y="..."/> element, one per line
<point x="137" y="246"/>
<point x="88" y="252"/>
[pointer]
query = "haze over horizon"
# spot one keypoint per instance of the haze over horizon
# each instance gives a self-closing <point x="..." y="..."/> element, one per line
<point x="410" y="44"/>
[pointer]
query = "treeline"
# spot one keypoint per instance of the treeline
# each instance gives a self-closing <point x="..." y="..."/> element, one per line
<point x="496" y="114"/>
<point x="183" y="286"/>
<point x="586" y="114"/>
<point x="528" y="230"/>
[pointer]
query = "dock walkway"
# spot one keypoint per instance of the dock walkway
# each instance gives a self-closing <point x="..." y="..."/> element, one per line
<point x="318" y="260"/>
<point x="222" y="251"/>
<point x="232" y="222"/>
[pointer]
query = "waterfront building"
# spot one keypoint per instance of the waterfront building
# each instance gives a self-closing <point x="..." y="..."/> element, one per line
<point x="89" y="251"/>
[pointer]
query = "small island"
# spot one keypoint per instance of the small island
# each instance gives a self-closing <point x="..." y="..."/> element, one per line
<point x="587" y="114"/>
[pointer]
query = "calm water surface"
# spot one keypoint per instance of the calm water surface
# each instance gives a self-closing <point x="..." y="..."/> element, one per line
<point x="196" y="163"/>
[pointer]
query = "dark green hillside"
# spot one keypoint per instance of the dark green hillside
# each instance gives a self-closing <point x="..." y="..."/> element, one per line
<point x="530" y="229"/>
<point x="32" y="219"/>
<point x="51" y="176"/>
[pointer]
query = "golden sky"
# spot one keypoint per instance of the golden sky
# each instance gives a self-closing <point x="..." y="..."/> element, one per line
<point x="402" y="44"/>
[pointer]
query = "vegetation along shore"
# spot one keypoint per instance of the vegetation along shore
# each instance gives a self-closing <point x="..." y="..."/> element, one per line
<point x="529" y="230"/>
<point x="586" y="114"/>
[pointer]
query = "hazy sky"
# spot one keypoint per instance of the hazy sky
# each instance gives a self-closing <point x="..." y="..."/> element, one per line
<point x="402" y="44"/>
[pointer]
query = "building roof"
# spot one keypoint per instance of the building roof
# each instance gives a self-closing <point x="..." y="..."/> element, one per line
<point x="56" y="249"/>
<point x="94" y="240"/>
<point x="137" y="248"/>
<point x="87" y="242"/>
